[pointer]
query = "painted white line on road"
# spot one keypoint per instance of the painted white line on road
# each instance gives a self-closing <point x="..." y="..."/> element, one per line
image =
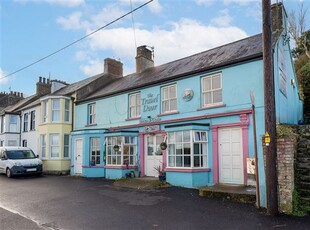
<point x="27" y="217"/>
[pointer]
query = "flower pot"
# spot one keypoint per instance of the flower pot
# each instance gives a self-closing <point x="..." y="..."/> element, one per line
<point x="163" y="145"/>
<point x="162" y="178"/>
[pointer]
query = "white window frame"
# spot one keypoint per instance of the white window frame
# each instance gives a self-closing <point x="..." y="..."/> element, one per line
<point x="125" y="143"/>
<point x="92" y="114"/>
<point x="211" y="91"/>
<point x="44" y="111"/>
<point x="54" y="147"/>
<point x="25" y="124"/>
<point x="66" y="146"/>
<point x="32" y="120"/>
<point x="67" y="111"/>
<point x="55" y="110"/>
<point x="94" y="153"/>
<point x="43" y="146"/>
<point x="134" y="105"/>
<point x="170" y="98"/>
<point x="174" y="145"/>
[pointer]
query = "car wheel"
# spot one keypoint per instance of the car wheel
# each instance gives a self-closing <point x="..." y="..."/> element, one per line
<point x="8" y="173"/>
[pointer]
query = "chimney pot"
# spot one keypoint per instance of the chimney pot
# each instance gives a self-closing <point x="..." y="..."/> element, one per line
<point x="144" y="59"/>
<point x="40" y="79"/>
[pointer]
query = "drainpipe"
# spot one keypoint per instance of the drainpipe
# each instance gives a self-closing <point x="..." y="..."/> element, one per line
<point x="255" y="151"/>
<point x="20" y="129"/>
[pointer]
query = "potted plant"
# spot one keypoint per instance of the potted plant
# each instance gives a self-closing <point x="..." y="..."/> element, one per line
<point x="163" y="145"/>
<point x="161" y="172"/>
<point x="92" y="163"/>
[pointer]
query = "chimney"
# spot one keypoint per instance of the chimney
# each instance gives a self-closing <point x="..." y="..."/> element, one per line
<point x="43" y="88"/>
<point x="144" y="59"/>
<point x="114" y="67"/>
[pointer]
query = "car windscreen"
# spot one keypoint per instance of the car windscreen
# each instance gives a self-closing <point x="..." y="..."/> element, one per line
<point x="20" y="154"/>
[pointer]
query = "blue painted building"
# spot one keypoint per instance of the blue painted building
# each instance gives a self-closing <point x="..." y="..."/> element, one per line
<point x="199" y="106"/>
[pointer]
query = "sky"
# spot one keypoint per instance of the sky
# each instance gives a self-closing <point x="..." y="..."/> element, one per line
<point x="33" y="29"/>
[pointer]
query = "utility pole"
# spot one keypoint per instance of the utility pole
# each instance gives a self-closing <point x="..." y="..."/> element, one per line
<point x="270" y="117"/>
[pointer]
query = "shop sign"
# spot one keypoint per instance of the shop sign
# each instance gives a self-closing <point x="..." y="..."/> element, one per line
<point x="150" y="102"/>
<point x="151" y="128"/>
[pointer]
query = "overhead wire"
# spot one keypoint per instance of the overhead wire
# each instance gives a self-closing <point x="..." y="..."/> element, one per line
<point x="78" y="40"/>
<point x="133" y="26"/>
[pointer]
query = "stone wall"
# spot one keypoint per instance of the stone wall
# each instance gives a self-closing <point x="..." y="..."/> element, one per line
<point x="302" y="166"/>
<point x="286" y="149"/>
<point x="306" y="103"/>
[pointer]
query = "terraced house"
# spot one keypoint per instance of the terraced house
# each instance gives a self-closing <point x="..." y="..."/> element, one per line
<point x="198" y="106"/>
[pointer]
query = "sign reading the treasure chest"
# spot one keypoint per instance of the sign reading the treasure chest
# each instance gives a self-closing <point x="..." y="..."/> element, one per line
<point x="150" y="103"/>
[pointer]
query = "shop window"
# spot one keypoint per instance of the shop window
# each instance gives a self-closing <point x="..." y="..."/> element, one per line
<point x="95" y="150"/>
<point x="187" y="149"/>
<point x="127" y="152"/>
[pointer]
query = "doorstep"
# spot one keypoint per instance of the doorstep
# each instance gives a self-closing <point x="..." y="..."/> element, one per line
<point x="240" y="193"/>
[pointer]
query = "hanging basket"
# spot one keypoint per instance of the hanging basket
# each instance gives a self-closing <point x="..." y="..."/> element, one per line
<point x="116" y="148"/>
<point x="163" y="145"/>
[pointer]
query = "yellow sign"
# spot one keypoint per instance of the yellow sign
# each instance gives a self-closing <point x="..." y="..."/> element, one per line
<point x="267" y="138"/>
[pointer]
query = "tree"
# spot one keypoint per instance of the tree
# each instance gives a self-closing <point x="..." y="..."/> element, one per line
<point x="297" y="25"/>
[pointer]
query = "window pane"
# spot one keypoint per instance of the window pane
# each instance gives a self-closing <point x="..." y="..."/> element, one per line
<point x="173" y="92"/>
<point x="196" y="161"/>
<point x="165" y="106"/>
<point x="179" y="162"/>
<point x="171" y="161"/>
<point x="171" y="149"/>
<point x="207" y="98"/>
<point x="216" y="82"/>
<point x="187" y="149"/>
<point x="196" y="148"/>
<point x="217" y="96"/>
<point x="206" y="84"/>
<point x="179" y="149"/>
<point x="187" y="161"/>
<point x="204" y="136"/>
<point x="178" y="136"/>
<point x="173" y="104"/>
<point x="165" y="93"/>
<point x="186" y="136"/>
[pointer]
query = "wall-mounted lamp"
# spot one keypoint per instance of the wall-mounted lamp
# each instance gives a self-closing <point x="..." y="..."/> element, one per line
<point x="293" y="82"/>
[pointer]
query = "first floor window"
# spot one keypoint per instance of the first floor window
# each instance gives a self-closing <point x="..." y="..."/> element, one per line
<point x="187" y="149"/>
<point x="25" y="122"/>
<point x="66" y="145"/>
<point x="169" y="98"/>
<point x="54" y="145"/>
<point x="127" y="152"/>
<point x="134" y="105"/>
<point x="43" y="145"/>
<point x="211" y="90"/>
<point x="91" y="114"/>
<point x="95" y="150"/>
<point x="32" y="120"/>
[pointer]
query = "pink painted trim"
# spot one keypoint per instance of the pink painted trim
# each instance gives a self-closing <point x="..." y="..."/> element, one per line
<point x="87" y="166"/>
<point x="142" y="163"/>
<point x="244" y="123"/>
<point x="169" y="113"/>
<point x="215" y="155"/>
<point x="187" y="170"/>
<point x="245" y="147"/>
<point x="238" y="112"/>
<point x="120" y="167"/>
<point x="211" y="107"/>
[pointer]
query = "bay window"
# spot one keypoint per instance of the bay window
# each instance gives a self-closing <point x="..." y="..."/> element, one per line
<point x="54" y="145"/>
<point x="95" y="150"/>
<point x="187" y="149"/>
<point x="127" y="152"/>
<point x="55" y="110"/>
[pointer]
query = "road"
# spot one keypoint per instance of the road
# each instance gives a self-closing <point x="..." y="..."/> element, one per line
<point x="65" y="203"/>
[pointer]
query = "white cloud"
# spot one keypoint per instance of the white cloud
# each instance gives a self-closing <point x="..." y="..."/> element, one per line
<point x="240" y="2"/>
<point x="3" y="79"/>
<point x="204" y="2"/>
<point x="65" y="3"/>
<point x="223" y="20"/>
<point x="92" y="67"/>
<point x="185" y="38"/>
<point x="71" y="22"/>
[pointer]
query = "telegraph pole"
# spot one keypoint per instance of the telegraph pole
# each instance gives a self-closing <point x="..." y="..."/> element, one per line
<point x="270" y="117"/>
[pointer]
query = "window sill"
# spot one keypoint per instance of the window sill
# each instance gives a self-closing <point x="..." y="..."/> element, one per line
<point x="120" y="167"/>
<point x="132" y="118"/>
<point x="211" y="107"/>
<point x="189" y="170"/>
<point x="168" y="113"/>
<point x="97" y="166"/>
<point x="89" y="125"/>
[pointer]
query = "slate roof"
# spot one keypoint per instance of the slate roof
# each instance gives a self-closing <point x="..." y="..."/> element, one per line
<point x="14" y="108"/>
<point x="242" y="50"/>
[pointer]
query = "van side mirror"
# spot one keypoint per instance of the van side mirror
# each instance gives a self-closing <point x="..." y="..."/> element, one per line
<point x="3" y="158"/>
<point x="37" y="156"/>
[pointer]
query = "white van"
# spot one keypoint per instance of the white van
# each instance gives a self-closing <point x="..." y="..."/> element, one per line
<point x="19" y="161"/>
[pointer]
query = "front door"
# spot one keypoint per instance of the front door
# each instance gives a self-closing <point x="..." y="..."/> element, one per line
<point x="78" y="156"/>
<point x="153" y="154"/>
<point x="230" y="156"/>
